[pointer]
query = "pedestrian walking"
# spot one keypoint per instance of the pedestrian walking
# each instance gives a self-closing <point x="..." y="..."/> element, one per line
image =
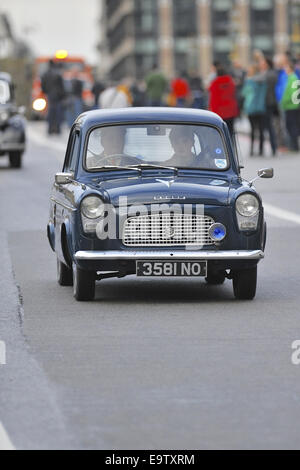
<point x="198" y="95"/>
<point x="222" y="97"/>
<point x="156" y="85"/>
<point x="290" y="106"/>
<point x="53" y="87"/>
<point x="138" y="93"/>
<point x="254" y="94"/>
<point x="97" y="89"/>
<point x="181" y="90"/>
<point x="271" y="107"/>
<point x="74" y="103"/>
<point x="238" y="74"/>
<point x="115" y="96"/>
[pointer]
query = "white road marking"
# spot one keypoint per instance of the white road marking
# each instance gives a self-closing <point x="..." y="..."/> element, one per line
<point x="282" y="214"/>
<point x="5" y="442"/>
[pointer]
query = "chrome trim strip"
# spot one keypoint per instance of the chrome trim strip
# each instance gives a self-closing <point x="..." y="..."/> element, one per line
<point x="161" y="255"/>
<point x="69" y="208"/>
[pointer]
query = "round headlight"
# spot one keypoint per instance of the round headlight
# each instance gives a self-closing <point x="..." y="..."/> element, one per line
<point x="92" y="207"/>
<point x="39" y="104"/>
<point x="217" y="232"/>
<point x="247" y="205"/>
<point x="4" y="116"/>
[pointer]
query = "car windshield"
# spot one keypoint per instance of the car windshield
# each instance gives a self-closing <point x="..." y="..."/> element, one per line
<point x="4" y="92"/>
<point x="168" y="145"/>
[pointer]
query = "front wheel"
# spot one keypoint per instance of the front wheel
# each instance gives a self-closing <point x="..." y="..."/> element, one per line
<point x="84" y="284"/>
<point x="15" y="159"/>
<point x="64" y="274"/>
<point x="244" y="283"/>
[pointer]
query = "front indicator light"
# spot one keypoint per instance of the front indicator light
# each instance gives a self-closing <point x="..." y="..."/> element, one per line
<point x="217" y="232"/>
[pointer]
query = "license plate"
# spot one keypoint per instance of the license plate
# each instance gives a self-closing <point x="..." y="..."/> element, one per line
<point x="171" y="268"/>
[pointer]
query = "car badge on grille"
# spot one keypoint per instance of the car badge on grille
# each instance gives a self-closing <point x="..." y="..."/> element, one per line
<point x="169" y="232"/>
<point x="167" y="183"/>
<point x="167" y="197"/>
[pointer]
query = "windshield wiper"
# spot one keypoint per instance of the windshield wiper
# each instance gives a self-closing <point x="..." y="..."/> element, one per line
<point x="138" y="167"/>
<point x="115" y="167"/>
<point x="158" y="167"/>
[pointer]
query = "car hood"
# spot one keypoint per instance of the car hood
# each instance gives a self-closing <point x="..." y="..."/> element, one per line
<point x="178" y="189"/>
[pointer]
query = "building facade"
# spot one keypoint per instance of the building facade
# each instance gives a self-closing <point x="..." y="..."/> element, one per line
<point x="188" y="35"/>
<point x="10" y="47"/>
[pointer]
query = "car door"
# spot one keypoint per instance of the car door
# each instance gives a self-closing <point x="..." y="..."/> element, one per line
<point x="63" y="195"/>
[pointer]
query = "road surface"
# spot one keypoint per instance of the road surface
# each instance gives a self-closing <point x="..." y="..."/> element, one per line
<point x="150" y="364"/>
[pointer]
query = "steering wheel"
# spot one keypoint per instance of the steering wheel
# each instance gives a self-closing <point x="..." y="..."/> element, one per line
<point x="117" y="158"/>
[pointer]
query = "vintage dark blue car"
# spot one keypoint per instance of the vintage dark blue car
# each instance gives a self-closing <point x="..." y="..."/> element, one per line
<point x="12" y="124"/>
<point x="155" y="192"/>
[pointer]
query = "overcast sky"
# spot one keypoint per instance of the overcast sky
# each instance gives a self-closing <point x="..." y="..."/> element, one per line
<point x="49" y="25"/>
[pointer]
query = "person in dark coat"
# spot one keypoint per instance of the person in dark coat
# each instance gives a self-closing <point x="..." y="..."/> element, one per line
<point x="74" y="99"/>
<point x="272" y="111"/>
<point x="53" y="87"/>
<point x="97" y="89"/>
<point x="198" y="95"/>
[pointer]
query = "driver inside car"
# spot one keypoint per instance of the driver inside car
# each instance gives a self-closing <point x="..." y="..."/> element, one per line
<point x="112" y="140"/>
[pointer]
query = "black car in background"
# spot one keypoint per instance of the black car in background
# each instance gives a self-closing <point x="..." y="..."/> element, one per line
<point x="12" y="123"/>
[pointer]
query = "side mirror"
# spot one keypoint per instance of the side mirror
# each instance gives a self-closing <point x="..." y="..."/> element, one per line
<point x="63" y="178"/>
<point x="265" y="173"/>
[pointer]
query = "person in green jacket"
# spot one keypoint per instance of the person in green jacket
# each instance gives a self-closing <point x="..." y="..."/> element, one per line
<point x="289" y="104"/>
<point x="156" y="85"/>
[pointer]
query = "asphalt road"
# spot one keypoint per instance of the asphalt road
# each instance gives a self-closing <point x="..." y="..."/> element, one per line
<point x="149" y="364"/>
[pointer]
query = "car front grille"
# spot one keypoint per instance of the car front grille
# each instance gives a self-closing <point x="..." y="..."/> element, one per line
<point x="167" y="230"/>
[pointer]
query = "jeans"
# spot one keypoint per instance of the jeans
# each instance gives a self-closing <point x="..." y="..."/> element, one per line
<point x="269" y="126"/>
<point x="292" y="127"/>
<point x="55" y="116"/>
<point x="74" y="108"/>
<point x="257" y="127"/>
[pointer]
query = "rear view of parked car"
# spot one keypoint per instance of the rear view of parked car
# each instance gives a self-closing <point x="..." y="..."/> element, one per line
<point x="12" y="123"/>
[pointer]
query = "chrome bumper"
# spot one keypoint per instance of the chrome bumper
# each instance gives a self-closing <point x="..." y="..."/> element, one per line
<point x="162" y="255"/>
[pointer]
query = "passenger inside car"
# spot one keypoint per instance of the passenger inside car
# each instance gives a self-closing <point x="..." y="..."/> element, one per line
<point x="192" y="149"/>
<point x="183" y="142"/>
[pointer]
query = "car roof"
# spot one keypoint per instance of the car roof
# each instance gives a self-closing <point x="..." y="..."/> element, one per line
<point x="147" y="114"/>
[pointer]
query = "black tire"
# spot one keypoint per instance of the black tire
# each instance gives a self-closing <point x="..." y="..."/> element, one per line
<point x="15" y="159"/>
<point x="84" y="284"/>
<point x="215" y="279"/>
<point x="64" y="274"/>
<point x="244" y="283"/>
